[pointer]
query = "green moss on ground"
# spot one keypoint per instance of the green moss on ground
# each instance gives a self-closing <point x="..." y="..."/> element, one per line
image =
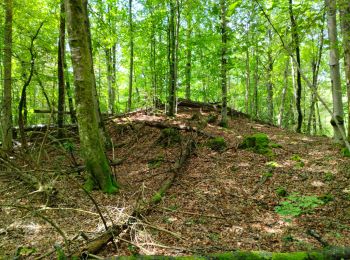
<point x="259" y="143"/>
<point x="169" y="137"/>
<point x="217" y="144"/>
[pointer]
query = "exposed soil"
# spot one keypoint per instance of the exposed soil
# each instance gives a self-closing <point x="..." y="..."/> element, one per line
<point x="218" y="202"/>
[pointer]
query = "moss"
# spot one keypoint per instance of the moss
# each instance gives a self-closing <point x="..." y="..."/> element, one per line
<point x="169" y="137"/>
<point x="217" y="144"/>
<point x="345" y="152"/>
<point x="89" y="184"/>
<point x="275" y="145"/>
<point x="326" y="198"/>
<point x="282" y="192"/>
<point x="328" y="176"/>
<point x="157" y="198"/>
<point x="259" y="143"/>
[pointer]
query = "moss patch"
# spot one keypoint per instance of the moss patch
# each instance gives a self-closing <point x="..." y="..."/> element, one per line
<point x="259" y="143"/>
<point x="169" y="137"/>
<point x="345" y="152"/>
<point x="217" y="144"/>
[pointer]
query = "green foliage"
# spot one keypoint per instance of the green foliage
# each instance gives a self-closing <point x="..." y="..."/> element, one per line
<point x="217" y="144"/>
<point x="169" y="137"/>
<point x="69" y="146"/>
<point x="298" y="160"/>
<point x="156" y="162"/>
<point x="281" y="191"/>
<point x="326" y="198"/>
<point x="157" y="198"/>
<point x="23" y="252"/>
<point x="295" y="205"/>
<point x="328" y="176"/>
<point x="345" y="152"/>
<point x="259" y="143"/>
<point x="267" y="175"/>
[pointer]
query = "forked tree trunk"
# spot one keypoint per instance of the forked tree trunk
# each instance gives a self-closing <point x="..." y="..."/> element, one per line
<point x="7" y="97"/>
<point x="338" y="111"/>
<point x="92" y="146"/>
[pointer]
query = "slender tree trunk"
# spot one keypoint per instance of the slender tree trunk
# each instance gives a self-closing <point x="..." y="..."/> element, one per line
<point x="188" y="55"/>
<point x="7" y="97"/>
<point x="344" y="7"/>
<point x="270" y="103"/>
<point x="338" y="111"/>
<point x="60" y="72"/>
<point x="223" y="13"/>
<point x="284" y="94"/>
<point x="92" y="145"/>
<point x="296" y="44"/>
<point x="172" y="61"/>
<point x="131" y="67"/>
<point x="256" y="83"/>
<point x="111" y="91"/>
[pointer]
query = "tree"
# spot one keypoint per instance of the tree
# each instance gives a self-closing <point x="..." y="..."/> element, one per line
<point x="131" y="67"/>
<point x="338" y="111"/>
<point x="60" y="71"/>
<point x="172" y="60"/>
<point x="92" y="146"/>
<point x="296" y="46"/>
<point x="344" y="7"/>
<point x="7" y="97"/>
<point x="223" y="14"/>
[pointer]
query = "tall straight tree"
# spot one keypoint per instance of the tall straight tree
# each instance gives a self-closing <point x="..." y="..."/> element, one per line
<point x="172" y="60"/>
<point x="344" y="7"/>
<point x="338" y="111"/>
<point x="60" y="71"/>
<point x="131" y="67"/>
<point x="223" y="14"/>
<point x="296" y="46"/>
<point x="7" y="97"/>
<point x="92" y="146"/>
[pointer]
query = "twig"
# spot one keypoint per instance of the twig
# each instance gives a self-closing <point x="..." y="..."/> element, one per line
<point x="318" y="237"/>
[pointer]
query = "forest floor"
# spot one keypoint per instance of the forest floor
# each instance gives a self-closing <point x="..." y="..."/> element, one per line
<point x="220" y="201"/>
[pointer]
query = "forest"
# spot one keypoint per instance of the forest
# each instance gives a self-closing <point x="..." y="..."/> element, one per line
<point x="190" y="129"/>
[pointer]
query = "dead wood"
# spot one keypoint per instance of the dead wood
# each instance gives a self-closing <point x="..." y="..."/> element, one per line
<point x="142" y="210"/>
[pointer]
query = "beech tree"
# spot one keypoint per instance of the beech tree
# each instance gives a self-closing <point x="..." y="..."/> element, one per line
<point x="92" y="146"/>
<point x="338" y="110"/>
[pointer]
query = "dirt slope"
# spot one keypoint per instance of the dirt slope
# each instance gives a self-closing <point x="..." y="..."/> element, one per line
<point x="220" y="201"/>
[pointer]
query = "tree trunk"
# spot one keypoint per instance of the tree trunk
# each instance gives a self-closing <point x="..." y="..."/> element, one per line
<point x="7" y="96"/>
<point x="188" y="55"/>
<point x="296" y="45"/>
<point x="284" y="94"/>
<point x="270" y="105"/>
<point x="223" y="13"/>
<point x="344" y="6"/>
<point x="338" y="112"/>
<point x="60" y="72"/>
<point x="172" y="61"/>
<point x="111" y="91"/>
<point x="131" y="67"/>
<point x="92" y="146"/>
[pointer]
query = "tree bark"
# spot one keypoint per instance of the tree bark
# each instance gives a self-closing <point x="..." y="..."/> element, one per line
<point x="188" y="55"/>
<point x="7" y="96"/>
<point x="296" y="45"/>
<point x="270" y="103"/>
<point x="60" y="72"/>
<point x="338" y="111"/>
<point x="344" y="7"/>
<point x="131" y="67"/>
<point x="172" y="61"/>
<point x="223" y="14"/>
<point x="92" y="146"/>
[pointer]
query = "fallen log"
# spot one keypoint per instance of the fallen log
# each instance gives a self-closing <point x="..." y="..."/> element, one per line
<point x="143" y="209"/>
<point x="333" y="253"/>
